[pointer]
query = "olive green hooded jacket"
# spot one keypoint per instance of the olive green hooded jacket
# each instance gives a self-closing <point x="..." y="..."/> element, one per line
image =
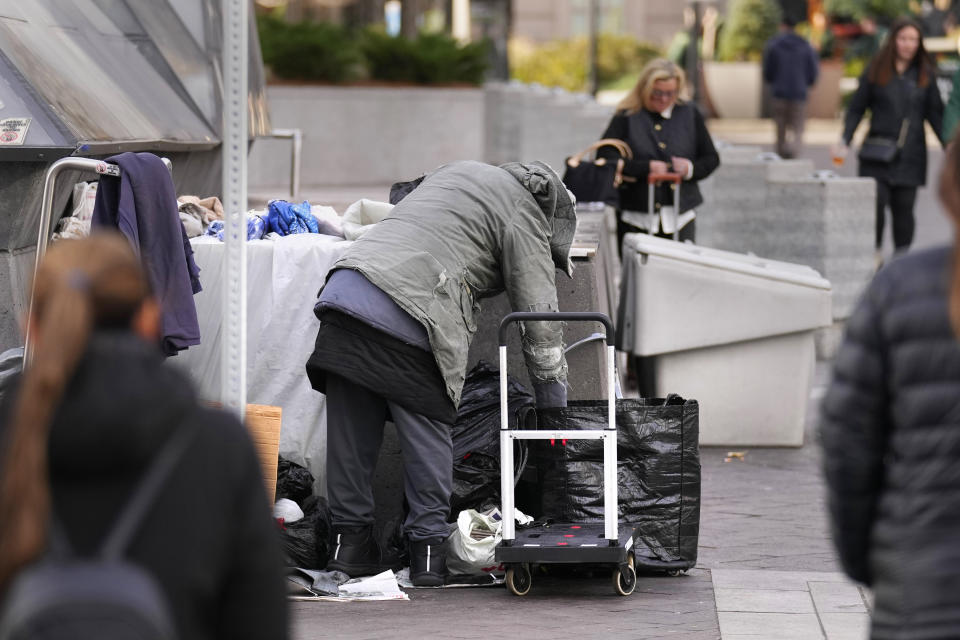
<point x="471" y="230"/>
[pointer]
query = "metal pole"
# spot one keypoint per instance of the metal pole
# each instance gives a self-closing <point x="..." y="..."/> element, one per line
<point x="233" y="365"/>
<point x="506" y="454"/>
<point x="592" y="80"/>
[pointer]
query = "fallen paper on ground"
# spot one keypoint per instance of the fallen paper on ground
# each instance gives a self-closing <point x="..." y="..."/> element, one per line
<point x="315" y="585"/>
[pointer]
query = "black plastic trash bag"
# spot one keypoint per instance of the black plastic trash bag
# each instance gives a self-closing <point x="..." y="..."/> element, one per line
<point x="393" y="544"/>
<point x="658" y="474"/>
<point x="306" y="542"/>
<point x="476" y="438"/>
<point x="293" y="482"/>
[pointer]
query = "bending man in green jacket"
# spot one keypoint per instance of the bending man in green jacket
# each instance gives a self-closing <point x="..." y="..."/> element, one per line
<point x="398" y="312"/>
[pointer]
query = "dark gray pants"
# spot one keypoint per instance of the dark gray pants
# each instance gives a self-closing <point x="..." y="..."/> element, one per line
<point x="355" y="418"/>
<point x="789" y="114"/>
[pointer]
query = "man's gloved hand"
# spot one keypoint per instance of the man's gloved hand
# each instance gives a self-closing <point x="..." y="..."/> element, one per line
<point x="550" y="395"/>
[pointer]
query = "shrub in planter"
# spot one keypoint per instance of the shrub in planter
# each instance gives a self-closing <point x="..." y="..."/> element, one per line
<point x="308" y="50"/>
<point x="563" y="63"/>
<point x="428" y="59"/>
<point x="749" y="25"/>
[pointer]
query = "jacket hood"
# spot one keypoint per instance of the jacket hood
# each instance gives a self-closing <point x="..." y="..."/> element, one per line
<point x="791" y="41"/>
<point x="118" y="409"/>
<point x="557" y="204"/>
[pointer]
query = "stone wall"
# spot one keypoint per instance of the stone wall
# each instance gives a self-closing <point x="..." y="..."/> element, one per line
<point x="781" y="209"/>
<point x="373" y="135"/>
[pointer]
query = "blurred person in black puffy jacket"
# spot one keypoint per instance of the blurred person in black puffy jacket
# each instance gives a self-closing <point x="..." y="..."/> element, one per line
<point x="890" y="429"/>
<point x="86" y="418"/>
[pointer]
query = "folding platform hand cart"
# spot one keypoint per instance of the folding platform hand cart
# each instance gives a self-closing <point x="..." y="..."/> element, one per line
<point x="571" y="542"/>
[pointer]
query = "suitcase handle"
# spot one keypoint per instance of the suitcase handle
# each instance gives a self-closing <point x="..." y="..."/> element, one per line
<point x="654" y="179"/>
<point x="557" y="316"/>
<point x="657" y="178"/>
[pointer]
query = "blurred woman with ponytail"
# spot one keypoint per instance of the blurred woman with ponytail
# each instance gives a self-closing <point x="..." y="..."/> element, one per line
<point x="890" y="428"/>
<point x="83" y="423"/>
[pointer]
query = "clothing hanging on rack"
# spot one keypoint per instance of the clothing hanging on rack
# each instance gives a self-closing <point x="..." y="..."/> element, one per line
<point x="142" y="204"/>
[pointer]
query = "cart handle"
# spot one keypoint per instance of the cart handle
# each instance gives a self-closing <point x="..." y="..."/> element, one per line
<point x="657" y="178"/>
<point x="559" y="316"/>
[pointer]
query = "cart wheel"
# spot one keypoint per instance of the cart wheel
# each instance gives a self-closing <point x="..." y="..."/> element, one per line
<point x="675" y="573"/>
<point x="625" y="577"/>
<point x="519" y="580"/>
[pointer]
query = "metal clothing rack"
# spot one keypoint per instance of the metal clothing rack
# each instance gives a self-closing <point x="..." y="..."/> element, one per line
<point x="89" y="165"/>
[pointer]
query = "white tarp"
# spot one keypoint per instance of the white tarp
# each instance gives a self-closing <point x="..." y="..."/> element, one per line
<point x="283" y="277"/>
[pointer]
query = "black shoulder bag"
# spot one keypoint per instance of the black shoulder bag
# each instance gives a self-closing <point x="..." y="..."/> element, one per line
<point x="881" y="149"/>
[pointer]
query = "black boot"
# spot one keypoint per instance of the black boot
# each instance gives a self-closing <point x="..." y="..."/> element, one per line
<point x="428" y="562"/>
<point x="355" y="551"/>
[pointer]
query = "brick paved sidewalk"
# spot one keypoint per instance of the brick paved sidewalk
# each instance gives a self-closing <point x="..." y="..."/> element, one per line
<point x="765" y="570"/>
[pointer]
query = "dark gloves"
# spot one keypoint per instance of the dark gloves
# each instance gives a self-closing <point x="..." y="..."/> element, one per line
<point x="550" y="395"/>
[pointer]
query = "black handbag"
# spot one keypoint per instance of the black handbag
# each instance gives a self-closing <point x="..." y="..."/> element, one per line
<point x="883" y="150"/>
<point x="597" y="180"/>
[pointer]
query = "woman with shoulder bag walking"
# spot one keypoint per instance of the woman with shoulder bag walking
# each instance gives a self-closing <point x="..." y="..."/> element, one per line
<point x="899" y="88"/>
<point x="665" y="135"/>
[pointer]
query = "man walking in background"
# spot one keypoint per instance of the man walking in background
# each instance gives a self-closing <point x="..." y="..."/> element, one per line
<point x="790" y="67"/>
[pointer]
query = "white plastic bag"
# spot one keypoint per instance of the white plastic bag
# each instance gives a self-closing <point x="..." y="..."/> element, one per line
<point x="471" y="546"/>
<point x="84" y="197"/>
<point x="287" y="509"/>
<point x="363" y="214"/>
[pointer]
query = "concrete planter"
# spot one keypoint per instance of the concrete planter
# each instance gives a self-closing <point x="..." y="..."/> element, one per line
<point x="736" y="88"/>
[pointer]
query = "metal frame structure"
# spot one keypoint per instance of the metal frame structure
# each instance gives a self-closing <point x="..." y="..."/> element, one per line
<point x="235" y="64"/>
<point x="296" y="138"/>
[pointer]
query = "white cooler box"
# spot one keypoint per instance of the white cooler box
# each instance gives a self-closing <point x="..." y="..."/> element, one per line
<point x="733" y="331"/>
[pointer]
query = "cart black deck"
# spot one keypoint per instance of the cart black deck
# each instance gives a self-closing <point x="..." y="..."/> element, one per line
<point x="566" y="542"/>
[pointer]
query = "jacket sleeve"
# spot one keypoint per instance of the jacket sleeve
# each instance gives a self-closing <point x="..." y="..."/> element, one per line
<point x="707" y="159"/>
<point x="858" y="106"/>
<point x="853" y="432"/>
<point x="933" y="110"/>
<point x="639" y="166"/>
<point x="952" y="113"/>
<point x="529" y="277"/>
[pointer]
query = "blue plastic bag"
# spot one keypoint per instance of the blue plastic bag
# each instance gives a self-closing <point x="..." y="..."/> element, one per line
<point x="286" y="218"/>
<point x="256" y="228"/>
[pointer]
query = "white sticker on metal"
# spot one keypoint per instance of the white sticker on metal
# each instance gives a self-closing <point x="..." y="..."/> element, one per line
<point x="629" y="543"/>
<point x="13" y="131"/>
